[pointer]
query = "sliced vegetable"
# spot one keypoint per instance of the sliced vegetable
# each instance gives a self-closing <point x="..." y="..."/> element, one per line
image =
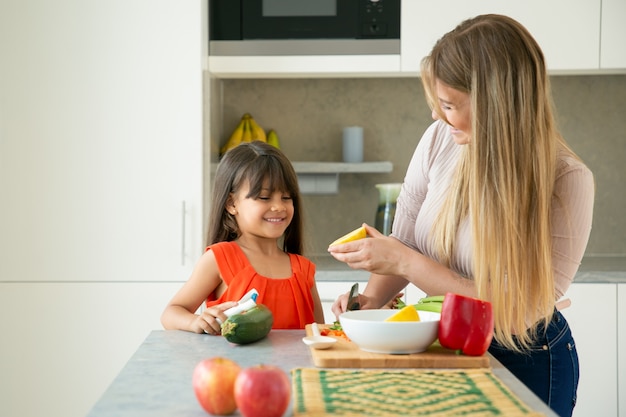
<point x="432" y="303"/>
<point x="335" y="330"/>
<point x="336" y="326"/>
<point x="408" y="313"/>
<point x="356" y="234"/>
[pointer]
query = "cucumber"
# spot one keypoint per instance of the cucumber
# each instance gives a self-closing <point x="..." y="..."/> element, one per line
<point x="248" y="326"/>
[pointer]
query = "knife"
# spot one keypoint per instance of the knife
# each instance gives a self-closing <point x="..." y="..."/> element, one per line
<point x="353" y="300"/>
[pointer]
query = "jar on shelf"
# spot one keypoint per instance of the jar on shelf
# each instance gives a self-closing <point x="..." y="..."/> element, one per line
<point x="387" y="197"/>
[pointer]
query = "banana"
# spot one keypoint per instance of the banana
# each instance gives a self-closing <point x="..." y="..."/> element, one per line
<point x="257" y="131"/>
<point x="272" y="139"/>
<point x="247" y="132"/>
<point x="235" y="137"/>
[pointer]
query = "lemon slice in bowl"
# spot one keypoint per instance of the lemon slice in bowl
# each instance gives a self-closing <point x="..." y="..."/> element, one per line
<point x="408" y="313"/>
<point x="356" y="234"/>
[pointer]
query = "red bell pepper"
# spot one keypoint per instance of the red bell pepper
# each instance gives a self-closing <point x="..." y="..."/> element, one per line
<point x="466" y="324"/>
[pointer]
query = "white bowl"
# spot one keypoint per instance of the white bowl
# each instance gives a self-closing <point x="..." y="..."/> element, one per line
<point x="371" y="333"/>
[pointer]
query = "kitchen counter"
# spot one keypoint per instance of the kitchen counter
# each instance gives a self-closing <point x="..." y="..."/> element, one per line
<point x="605" y="270"/>
<point x="156" y="381"/>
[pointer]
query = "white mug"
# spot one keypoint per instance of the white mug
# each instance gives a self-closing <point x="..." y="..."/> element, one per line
<point x="353" y="144"/>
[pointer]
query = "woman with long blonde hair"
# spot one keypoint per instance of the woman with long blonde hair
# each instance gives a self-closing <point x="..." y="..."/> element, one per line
<point x="494" y="205"/>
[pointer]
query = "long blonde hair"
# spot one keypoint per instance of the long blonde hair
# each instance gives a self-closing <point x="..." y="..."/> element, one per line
<point x="505" y="178"/>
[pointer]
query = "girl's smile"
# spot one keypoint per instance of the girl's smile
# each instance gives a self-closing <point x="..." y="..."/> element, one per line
<point x="255" y="213"/>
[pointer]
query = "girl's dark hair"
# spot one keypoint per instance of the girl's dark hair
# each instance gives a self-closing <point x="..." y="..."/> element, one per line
<point x="254" y="162"/>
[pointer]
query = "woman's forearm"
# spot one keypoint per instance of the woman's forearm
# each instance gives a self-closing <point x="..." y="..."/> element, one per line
<point x="432" y="277"/>
<point x="381" y="289"/>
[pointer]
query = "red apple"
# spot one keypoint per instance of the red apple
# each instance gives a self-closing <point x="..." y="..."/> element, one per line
<point x="214" y="382"/>
<point x="262" y="391"/>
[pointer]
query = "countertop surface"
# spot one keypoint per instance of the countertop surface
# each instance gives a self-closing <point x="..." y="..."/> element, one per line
<point x="156" y="381"/>
<point x="607" y="270"/>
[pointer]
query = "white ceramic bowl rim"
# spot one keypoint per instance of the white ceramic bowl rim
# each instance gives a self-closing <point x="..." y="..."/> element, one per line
<point x="379" y="315"/>
<point x="370" y="332"/>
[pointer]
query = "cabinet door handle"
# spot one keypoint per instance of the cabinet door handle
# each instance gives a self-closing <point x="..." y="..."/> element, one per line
<point x="183" y="227"/>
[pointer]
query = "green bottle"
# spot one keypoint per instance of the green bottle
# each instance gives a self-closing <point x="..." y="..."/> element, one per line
<point x="387" y="197"/>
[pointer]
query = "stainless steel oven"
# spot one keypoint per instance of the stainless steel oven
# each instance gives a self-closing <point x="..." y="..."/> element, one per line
<point x="266" y="27"/>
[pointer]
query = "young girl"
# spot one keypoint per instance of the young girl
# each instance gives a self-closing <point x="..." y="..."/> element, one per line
<point x="255" y="241"/>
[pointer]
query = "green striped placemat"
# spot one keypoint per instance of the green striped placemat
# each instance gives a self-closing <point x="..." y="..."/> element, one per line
<point x="475" y="392"/>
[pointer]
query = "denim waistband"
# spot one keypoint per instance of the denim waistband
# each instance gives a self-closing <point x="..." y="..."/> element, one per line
<point x="557" y="327"/>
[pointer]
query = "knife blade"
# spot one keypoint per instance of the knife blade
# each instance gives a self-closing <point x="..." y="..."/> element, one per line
<point x="353" y="299"/>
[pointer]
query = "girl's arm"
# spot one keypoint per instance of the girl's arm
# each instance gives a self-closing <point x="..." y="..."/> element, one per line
<point x="318" y="311"/>
<point x="179" y="314"/>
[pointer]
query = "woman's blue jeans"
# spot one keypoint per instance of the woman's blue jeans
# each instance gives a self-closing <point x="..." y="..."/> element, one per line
<point x="550" y="369"/>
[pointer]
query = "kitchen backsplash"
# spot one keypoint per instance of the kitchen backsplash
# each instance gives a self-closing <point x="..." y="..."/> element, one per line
<point x="309" y="114"/>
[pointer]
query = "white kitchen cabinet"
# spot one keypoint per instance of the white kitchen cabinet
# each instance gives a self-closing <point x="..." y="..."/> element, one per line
<point x="101" y="181"/>
<point x="593" y="319"/>
<point x="303" y="66"/>
<point x="613" y="49"/>
<point x="415" y="39"/>
<point x="567" y="31"/>
<point x="100" y="140"/>
<point x="412" y="294"/>
<point x="621" y="348"/>
<point x="63" y="343"/>
<point x="330" y="290"/>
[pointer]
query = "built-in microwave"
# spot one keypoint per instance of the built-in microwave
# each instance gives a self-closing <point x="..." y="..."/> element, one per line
<point x="304" y="27"/>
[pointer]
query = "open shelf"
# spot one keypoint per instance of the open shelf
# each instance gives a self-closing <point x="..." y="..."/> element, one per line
<point x="341" y="167"/>
<point x="323" y="177"/>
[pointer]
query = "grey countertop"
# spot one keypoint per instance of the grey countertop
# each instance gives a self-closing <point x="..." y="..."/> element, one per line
<point x="156" y="381"/>
<point x="600" y="277"/>
<point x="610" y="270"/>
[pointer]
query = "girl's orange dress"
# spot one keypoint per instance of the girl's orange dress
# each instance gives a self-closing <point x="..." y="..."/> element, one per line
<point x="288" y="298"/>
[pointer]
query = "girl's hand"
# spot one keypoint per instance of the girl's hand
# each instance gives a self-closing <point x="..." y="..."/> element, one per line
<point x="207" y="321"/>
<point x="378" y="254"/>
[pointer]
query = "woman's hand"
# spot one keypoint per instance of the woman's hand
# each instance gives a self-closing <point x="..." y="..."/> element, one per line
<point x="207" y="321"/>
<point x="378" y="254"/>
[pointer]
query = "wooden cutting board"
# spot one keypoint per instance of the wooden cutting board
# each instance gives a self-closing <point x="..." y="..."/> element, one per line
<point x="345" y="354"/>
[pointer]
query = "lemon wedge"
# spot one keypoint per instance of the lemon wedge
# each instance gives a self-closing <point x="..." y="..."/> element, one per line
<point x="356" y="234"/>
<point x="408" y="313"/>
